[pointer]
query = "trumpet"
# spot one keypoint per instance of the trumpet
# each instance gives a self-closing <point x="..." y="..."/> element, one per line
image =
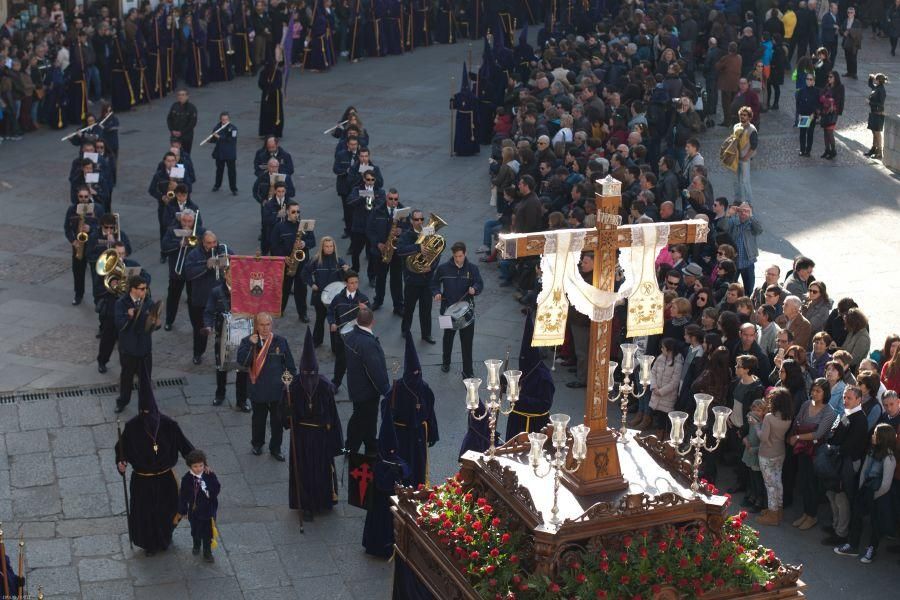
<point x="216" y="255"/>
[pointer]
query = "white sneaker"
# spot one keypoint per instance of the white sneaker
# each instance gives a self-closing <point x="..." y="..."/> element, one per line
<point x="868" y="556"/>
<point x="845" y="550"/>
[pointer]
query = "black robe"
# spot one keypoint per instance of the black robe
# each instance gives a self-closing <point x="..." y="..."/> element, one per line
<point x="532" y="411"/>
<point x="153" y="489"/>
<point x="465" y="134"/>
<point x="378" y="531"/>
<point x="271" y="106"/>
<point x="316" y="438"/>
<point x="414" y="424"/>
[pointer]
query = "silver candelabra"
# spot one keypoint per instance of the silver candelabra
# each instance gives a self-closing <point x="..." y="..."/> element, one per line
<point x="627" y="388"/>
<point x="699" y="441"/>
<point x="557" y="462"/>
<point x="494" y="405"/>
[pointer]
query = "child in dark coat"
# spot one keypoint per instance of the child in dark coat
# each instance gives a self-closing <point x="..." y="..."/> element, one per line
<point x="198" y="500"/>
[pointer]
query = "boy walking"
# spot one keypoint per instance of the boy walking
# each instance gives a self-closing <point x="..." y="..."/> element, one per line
<point x="198" y="501"/>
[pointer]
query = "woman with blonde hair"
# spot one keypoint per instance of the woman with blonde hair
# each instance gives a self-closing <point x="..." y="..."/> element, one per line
<point x="326" y="268"/>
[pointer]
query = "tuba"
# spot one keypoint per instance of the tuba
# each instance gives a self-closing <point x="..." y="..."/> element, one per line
<point x="431" y="247"/>
<point x="297" y="255"/>
<point x="113" y="271"/>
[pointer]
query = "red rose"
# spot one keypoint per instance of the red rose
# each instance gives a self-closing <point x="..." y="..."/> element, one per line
<point x="495" y="553"/>
<point x="729" y="559"/>
<point x="604" y="566"/>
<point x="468" y="497"/>
<point x="663" y="546"/>
<point x="504" y="538"/>
<point x="627" y="541"/>
<point x="575" y="566"/>
<point x="623" y="558"/>
<point x="554" y="588"/>
<point x="720" y="582"/>
<point x="490" y="569"/>
<point x="755" y="587"/>
<point x="603" y="554"/>
<point x="770" y="585"/>
<point x="655" y="589"/>
<point x="580" y="578"/>
<point x="698" y="560"/>
<point x="481" y="502"/>
<point x="661" y="572"/>
<point x="485" y="536"/>
<point x="601" y="594"/>
<point x="679" y="543"/>
<point x="495" y="521"/>
<point x="644" y="579"/>
<point x="432" y="496"/>
<point x="699" y="539"/>
<point x="740" y="549"/>
<point x="468" y="539"/>
<point x="467" y="517"/>
<point x="477" y="525"/>
<point x="643" y="552"/>
<point x="492" y="582"/>
<point x="683" y="563"/>
<point x="624" y="579"/>
<point x="516" y="579"/>
<point x="473" y="554"/>
<point x="707" y="577"/>
<point x="514" y="558"/>
<point x="487" y="509"/>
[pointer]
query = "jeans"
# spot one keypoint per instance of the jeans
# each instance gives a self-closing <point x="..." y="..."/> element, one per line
<point x="95" y="88"/>
<point x="491" y="226"/>
<point x="506" y="266"/>
<point x="771" y="472"/>
<point x="748" y="276"/>
<point x="742" y="190"/>
<point x="878" y="510"/>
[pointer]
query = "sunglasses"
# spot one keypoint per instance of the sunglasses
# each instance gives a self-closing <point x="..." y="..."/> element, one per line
<point x="813" y="291"/>
<point x="418" y="218"/>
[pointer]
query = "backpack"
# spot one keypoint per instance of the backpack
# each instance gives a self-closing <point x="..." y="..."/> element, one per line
<point x="728" y="152"/>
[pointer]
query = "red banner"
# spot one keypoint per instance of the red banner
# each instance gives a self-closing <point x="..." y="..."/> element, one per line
<point x="256" y="284"/>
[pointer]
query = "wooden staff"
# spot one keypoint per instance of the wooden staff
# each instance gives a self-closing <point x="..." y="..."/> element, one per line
<point x="3" y="566"/>
<point x="120" y="458"/>
<point x="287" y="379"/>
<point x="312" y="23"/>
<point x="452" y="120"/>
<point x="21" y="566"/>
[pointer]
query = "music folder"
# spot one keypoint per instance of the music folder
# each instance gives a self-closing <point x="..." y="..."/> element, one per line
<point x="177" y="172"/>
<point x="307" y="225"/>
<point x="132" y="271"/>
<point x="401" y="213"/>
<point x="84" y="209"/>
<point x="180" y="233"/>
<point x="280" y="177"/>
<point x="94" y="157"/>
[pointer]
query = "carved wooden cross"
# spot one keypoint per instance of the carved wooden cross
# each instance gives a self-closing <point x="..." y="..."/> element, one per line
<point x="600" y="471"/>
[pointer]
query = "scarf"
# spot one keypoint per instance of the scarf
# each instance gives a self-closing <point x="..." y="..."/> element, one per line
<point x="260" y="359"/>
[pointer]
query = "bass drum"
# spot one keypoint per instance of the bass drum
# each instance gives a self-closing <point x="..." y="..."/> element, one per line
<point x="330" y="291"/>
<point x="462" y="314"/>
<point x="234" y="329"/>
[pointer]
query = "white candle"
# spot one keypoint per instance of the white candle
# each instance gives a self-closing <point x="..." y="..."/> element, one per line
<point x="537" y="441"/>
<point x="646" y="363"/>
<point x="512" y="384"/>
<point x="677" y="418"/>
<point x="472" y="386"/>
<point x="559" y="422"/>
<point x="628" y="351"/>
<point x="720" y="428"/>
<point x="700" y="414"/>
<point x="493" y="366"/>
<point x="612" y="375"/>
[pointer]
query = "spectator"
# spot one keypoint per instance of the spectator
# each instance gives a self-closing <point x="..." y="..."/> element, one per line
<point x="890" y="372"/>
<point x="742" y="227"/>
<point x="798" y="280"/>
<point x="811" y="426"/>
<point x="665" y="376"/>
<point x="820" y="355"/>
<point x="817" y="306"/>
<point x="755" y="500"/>
<point x="768" y="330"/>
<point x="797" y="324"/>
<point x="772" y="434"/>
<point x="858" y="341"/>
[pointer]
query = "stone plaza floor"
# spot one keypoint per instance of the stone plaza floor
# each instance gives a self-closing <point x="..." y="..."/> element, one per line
<point x="58" y="485"/>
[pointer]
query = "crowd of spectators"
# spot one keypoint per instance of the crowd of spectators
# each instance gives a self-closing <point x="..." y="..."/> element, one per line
<point x="815" y="412"/>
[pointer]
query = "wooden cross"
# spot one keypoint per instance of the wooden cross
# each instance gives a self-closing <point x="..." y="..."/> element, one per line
<point x="600" y="471"/>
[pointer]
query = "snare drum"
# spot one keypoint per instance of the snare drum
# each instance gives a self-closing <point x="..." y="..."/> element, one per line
<point x="234" y="329"/>
<point x="330" y="291"/>
<point x="346" y="328"/>
<point x="462" y="314"/>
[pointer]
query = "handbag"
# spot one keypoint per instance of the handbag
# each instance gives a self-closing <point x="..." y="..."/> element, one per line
<point x="827" y="465"/>
<point x="806" y="447"/>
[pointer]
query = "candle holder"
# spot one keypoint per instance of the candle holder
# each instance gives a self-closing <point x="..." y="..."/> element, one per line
<point x="627" y="388"/>
<point x="557" y="463"/>
<point x="494" y="405"/>
<point x="699" y="441"/>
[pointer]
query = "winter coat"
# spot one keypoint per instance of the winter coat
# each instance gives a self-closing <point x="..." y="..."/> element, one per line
<point x="665" y="375"/>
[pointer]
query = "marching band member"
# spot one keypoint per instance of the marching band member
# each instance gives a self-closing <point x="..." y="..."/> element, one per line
<point x="219" y="303"/>
<point x="182" y="157"/>
<point x="326" y="268"/>
<point x="367" y="382"/>
<point x="454" y="281"/>
<point x="106" y="308"/>
<point x="267" y="356"/>
<point x="202" y="269"/>
<point x="361" y="200"/>
<point x="352" y="132"/>
<point x="102" y="239"/>
<point x="263" y="188"/>
<point x="179" y="204"/>
<point x="345" y="166"/>
<point x="286" y="238"/>
<point x="75" y="224"/>
<point x="225" y="152"/>
<point x="176" y="250"/>
<point x="99" y="190"/>
<point x="274" y="211"/>
<point x="135" y="325"/>
<point x="107" y="162"/>
<point x="161" y="185"/>
<point x="342" y="310"/>
<point x="417" y="286"/>
<point x="272" y="149"/>
<point x="382" y="227"/>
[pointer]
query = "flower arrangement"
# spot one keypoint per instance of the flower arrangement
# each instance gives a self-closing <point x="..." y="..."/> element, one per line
<point x="688" y="561"/>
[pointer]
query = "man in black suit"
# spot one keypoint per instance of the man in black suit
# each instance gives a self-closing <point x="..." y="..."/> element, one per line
<point x="267" y="356"/>
<point x="135" y="325"/>
<point x="382" y="222"/>
<point x="367" y="381"/>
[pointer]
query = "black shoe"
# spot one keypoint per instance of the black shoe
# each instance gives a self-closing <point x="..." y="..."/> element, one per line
<point x="197" y="359"/>
<point x="304" y="319"/>
<point x="775" y="106"/>
<point x="576" y="384"/>
<point x="825" y="154"/>
<point x="99" y="334"/>
<point x="245" y="407"/>
<point x="257" y="450"/>
<point x="445" y="368"/>
<point x="101" y="368"/>
<point x="869" y="152"/>
<point x="233" y="193"/>
<point x="167" y="327"/>
<point x="219" y="400"/>
<point x="76" y="300"/>
<point x="162" y="259"/>
<point x="207" y="556"/>
<point x="149" y="552"/>
<point x="277" y="455"/>
<point x="215" y="188"/>
<point x="429" y="339"/>
<point x="195" y="550"/>
<point x="376" y="306"/>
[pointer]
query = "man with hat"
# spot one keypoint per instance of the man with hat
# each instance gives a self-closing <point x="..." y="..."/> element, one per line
<point x="536" y="389"/>
<point x="691" y="274"/>
<point x="316" y="436"/>
<point x="151" y="443"/>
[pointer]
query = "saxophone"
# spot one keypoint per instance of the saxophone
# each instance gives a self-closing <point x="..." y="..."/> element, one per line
<point x="431" y="247"/>
<point x="296" y="256"/>
<point x="80" y="237"/>
<point x="390" y="244"/>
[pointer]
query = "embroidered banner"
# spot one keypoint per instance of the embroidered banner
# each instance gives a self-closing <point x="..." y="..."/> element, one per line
<point x="256" y="284"/>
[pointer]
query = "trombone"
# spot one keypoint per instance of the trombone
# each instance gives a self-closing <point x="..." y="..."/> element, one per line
<point x="190" y="241"/>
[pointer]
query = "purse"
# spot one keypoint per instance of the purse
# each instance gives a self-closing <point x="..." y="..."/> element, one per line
<point x="806" y="447"/>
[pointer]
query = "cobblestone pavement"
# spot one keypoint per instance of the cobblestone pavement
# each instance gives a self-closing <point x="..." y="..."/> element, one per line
<point x="58" y="486"/>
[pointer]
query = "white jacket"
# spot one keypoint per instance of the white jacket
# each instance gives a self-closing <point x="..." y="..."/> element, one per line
<point x="665" y="376"/>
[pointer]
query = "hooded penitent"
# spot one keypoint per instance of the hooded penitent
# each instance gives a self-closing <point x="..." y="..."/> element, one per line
<point x="536" y="389"/>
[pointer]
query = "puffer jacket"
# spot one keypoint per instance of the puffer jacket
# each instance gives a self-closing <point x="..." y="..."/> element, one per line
<point x="817" y="313"/>
<point x="665" y="375"/>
